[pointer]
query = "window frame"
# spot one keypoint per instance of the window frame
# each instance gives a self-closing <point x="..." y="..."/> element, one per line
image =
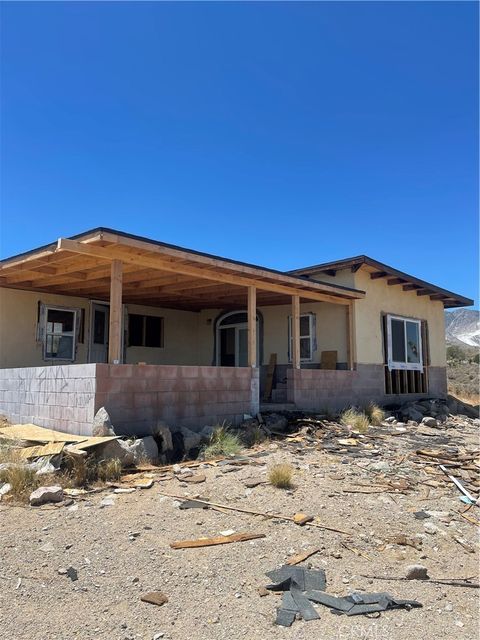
<point x="72" y="334"/>
<point x="310" y="336"/>
<point x="144" y="317"/>
<point x="405" y="366"/>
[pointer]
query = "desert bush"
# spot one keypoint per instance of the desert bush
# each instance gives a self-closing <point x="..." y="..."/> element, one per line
<point x="109" y="470"/>
<point x="280" y="476"/>
<point x="355" y="419"/>
<point x="222" y="442"/>
<point x="22" y="478"/>
<point x="375" y="414"/>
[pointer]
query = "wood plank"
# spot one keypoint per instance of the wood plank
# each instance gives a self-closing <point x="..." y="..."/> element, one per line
<point x="270" y="373"/>
<point x="209" y="542"/>
<point x="252" y="326"/>
<point x="328" y="359"/>
<point x="295" y="332"/>
<point x="217" y="276"/>
<point x="351" y="338"/>
<point x="115" y="333"/>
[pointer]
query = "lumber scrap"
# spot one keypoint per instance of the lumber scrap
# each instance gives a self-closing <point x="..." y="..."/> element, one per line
<point x="270" y="373"/>
<point x="210" y="542"/>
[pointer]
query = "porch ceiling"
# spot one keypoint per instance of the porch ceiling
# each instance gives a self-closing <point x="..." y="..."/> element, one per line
<point x="156" y="274"/>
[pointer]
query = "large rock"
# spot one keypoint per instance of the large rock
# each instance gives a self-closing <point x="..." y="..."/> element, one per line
<point x="116" y="449"/>
<point x="411" y="413"/>
<point x="275" y="422"/>
<point x="102" y="425"/>
<point x="163" y="437"/>
<point x="191" y="441"/>
<point x="144" y="450"/>
<point x="428" y="421"/>
<point x="42" y="495"/>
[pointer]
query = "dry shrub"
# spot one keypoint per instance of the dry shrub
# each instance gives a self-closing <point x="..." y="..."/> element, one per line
<point x="22" y="478"/>
<point x="280" y="476"/>
<point x="355" y="419"/>
<point x="222" y="443"/>
<point x="108" y="470"/>
<point x="375" y="414"/>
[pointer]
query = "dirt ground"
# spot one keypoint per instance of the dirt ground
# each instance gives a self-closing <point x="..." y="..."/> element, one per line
<point x="122" y="551"/>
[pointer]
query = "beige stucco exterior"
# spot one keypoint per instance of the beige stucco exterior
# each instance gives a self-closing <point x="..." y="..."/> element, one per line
<point x="188" y="336"/>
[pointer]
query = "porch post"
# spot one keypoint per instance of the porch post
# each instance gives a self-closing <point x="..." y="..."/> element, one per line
<point x="350" y="336"/>
<point x="252" y="327"/>
<point x="296" y="332"/>
<point x="115" y="329"/>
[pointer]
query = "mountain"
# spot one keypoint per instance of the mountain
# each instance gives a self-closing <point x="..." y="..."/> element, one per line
<point x="462" y="326"/>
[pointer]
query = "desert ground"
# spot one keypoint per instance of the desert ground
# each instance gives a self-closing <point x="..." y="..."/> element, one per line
<point x="393" y="508"/>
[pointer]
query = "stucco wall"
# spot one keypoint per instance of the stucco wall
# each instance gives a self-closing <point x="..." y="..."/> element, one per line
<point x="180" y="338"/>
<point x="18" y="326"/>
<point x="382" y="298"/>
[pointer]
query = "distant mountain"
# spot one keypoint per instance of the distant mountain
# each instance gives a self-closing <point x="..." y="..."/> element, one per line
<point x="462" y="326"/>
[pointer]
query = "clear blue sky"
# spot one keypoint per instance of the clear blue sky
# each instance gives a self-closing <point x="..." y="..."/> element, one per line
<point x="283" y="134"/>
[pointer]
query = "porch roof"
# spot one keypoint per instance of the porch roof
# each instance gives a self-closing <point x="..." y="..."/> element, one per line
<point x="157" y="274"/>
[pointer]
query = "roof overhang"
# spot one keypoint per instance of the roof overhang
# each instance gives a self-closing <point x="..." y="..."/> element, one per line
<point x="157" y="274"/>
<point x="393" y="276"/>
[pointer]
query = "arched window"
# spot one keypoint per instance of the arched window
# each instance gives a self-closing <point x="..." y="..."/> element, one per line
<point x="231" y="346"/>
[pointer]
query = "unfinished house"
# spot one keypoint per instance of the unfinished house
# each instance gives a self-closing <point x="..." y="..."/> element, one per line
<point x="153" y="331"/>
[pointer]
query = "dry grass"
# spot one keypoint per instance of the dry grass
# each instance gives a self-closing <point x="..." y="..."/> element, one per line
<point x="108" y="470"/>
<point x="281" y="475"/>
<point x="222" y="443"/>
<point x="355" y="419"/>
<point x="375" y="414"/>
<point x="22" y="479"/>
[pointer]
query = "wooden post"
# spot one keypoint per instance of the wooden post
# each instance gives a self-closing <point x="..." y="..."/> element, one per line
<point x="296" y="332"/>
<point x="115" y="331"/>
<point x="350" y="336"/>
<point x="252" y="326"/>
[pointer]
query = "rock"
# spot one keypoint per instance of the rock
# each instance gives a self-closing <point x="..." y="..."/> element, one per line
<point x="102" y="425"/>
<point x="428" y="421"/>
<point x="107" y="502"/>
<point x="416" y="572"/>
<point x="5" y="488"/>
<point x="275" y="422"/>
<point x="410" y="413"/>
<point x="381" y="465"/>
<point x="191" y="441"/>
<point x="390" y="420"/>
<point x="42" y="495"/>
<point x="163" y="437"/>
<point x="430" y="528"/>
<point x="145" y="449"/>
<point x="206" y="433"/>
<point x="117" y="449"/>
<point x="70" y="572"/>
<point x="158" y="636"/>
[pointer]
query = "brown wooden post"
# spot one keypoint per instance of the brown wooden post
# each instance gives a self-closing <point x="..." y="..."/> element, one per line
<point x="350" y="336"/>
<point x="115" y="331"/>
<point x="252" y="326"/>
<point x="296" y="332"/>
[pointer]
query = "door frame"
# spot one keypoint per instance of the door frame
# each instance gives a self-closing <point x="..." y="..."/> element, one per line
<point x="103" y="303"/>
<point x="236" y="326"/>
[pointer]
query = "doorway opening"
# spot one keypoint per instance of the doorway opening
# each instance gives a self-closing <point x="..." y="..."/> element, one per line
<point x="232" y="340"/>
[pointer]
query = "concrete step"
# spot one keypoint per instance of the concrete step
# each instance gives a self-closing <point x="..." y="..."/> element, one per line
<point x="277" y="406"/>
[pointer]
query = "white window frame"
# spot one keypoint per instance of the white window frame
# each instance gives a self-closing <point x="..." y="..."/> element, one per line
<point x="72" y="334"/>
<point x="310" y="335"/>
<point x="406" y="366"/>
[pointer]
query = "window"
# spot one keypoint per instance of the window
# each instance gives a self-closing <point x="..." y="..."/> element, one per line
<point x="404" y="344"/>
<point x="307" y="337"/>
<point x="60" y="332"/>
<point x="145" y="331"/>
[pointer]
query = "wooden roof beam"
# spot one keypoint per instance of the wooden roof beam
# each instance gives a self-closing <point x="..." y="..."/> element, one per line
<point x="393" y="281"/>
<point x="424" y="292"/>
<point x="378" y="274"/>
<point x="411" y="287"/>
<point x="109" y="253"/>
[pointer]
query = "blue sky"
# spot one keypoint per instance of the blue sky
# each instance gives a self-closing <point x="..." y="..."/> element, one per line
<point x="283" y="134"/>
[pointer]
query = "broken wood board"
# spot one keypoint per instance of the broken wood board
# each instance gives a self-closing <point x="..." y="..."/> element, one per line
<point x="93" y="441"/>
<point x="154" y="597"/>
<point x="270" y="373"/>
<point x="38" y="451"/>
<point x="300" y="557"/>
<point x="328" y="360"/>
<point x="209" y="542"/>
<point x="34" y="433"/>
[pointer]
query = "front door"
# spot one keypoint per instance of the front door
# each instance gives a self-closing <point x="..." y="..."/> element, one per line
<point x="99" y="333"/>
<point x="232" y="340"/>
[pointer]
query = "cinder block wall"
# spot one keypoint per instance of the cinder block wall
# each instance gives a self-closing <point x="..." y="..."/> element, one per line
<point x="59" y="397"/>
<point x="317" y="389"/>
<point x="136" y="396"/>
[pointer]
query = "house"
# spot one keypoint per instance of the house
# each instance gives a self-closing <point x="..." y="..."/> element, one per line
<point x="153" y="331"/>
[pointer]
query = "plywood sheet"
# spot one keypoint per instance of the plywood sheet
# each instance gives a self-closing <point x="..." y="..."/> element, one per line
<point x="34" y="433"/>
<point x="49" y="449"/>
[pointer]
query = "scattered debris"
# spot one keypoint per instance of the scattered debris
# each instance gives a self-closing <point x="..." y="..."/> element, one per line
<point x="208" y="542"/>
<point x="300" y="557"/>
<point x="43" y="495"/>
<point x="154" y="597"/>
